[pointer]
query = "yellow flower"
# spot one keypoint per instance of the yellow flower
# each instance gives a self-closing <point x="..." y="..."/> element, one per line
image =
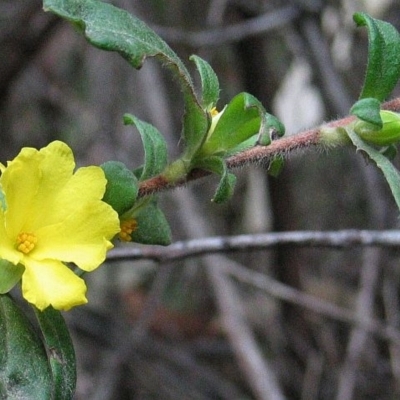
<point x="53" y="216"/>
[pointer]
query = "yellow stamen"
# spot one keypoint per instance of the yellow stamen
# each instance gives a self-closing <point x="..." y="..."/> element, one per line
<point x="127" y="227"/>
<point x="26" y="242"/>
<point x="214" y="111"/>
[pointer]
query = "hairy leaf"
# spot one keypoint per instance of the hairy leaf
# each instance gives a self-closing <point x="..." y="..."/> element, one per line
<point x="110" y="28"/>
<point x="122" y="186"/>
<point x="152" y="226"/>
<point x="383" y="69"/>
<point x="60" y="351"/>
<point x="155" y="147"/>
<point x="368" y="110"/>
<point x="24" y="368"/>
<point x="209" y="82"/>
<point x="389" y="171"/>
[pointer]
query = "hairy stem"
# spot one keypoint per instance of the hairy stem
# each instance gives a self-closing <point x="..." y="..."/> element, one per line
<point x="260" y="154"/>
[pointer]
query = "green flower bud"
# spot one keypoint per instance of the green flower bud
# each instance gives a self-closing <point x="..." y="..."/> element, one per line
<point x="389" y="134"/>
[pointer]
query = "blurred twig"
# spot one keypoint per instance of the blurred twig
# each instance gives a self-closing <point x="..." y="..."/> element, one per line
<point x="330" y="239"/>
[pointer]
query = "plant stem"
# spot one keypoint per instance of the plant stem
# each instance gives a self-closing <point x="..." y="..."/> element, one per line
<point x="259" y="154"/>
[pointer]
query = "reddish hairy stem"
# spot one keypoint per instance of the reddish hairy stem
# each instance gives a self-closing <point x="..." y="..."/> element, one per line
<point x="258" y="154"/>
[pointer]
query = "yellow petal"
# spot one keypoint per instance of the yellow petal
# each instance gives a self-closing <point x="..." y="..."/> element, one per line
<point x="52" y="283"/>
<point x="32" y="183"/>
<point x="83" y="238"/>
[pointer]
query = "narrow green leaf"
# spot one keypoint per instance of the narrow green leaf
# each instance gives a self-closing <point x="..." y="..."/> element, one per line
<point x="122" y="186"/>
<point x="383" y="69"/>
<point x="10" y="275"/>
<point x="112" y="29"/>
<point x="390" y="173"/>
<point x="368" y="110"/>
<point x="209" y="82"/>
<point x="60" y="351"/>
<point x="227" y="182"/>
<point x="152" y="226"/>
<point x="24" y="369"/>
<point x="155" y="147"/>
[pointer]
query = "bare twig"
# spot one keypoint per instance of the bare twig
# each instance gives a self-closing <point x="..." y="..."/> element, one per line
<point x="195" y="247"/>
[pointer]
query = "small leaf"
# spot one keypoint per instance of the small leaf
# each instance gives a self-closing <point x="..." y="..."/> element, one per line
<point x="209" y="82"/>
<point x="155" y="147"/>
<point x="24" y="368"/>
<point x="227" y="182"/>
<point x="368" y="110"/>
<point x="152" y="226"/>
<point x="10" y="275"/>
<point x="60" y="351"/>
<point x="272" y="130"/>
<point x="122" y="186"/>
<point x="391" y="174"/>
<point x="383" y="69"/>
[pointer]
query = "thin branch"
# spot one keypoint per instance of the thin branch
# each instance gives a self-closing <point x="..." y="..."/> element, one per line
<point x="331" y="239"/>
<point x="259" y="154"/>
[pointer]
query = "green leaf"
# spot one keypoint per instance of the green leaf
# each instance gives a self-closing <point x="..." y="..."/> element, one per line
<point x="122" y="186"/>
<point x="152" y="226"/>
<point x="60" y="351"/>
<point x="155" y="147"/>
<point x="24" y="368"/>
<point x="209" y="82"/>
<point x="383" y="69"/>
<point x="227" y="182"/>
<point x="368" y="110"/>
<point x="195" y="127"/>
<point x="10" y="275"/>
<point x="243" y="118"/>
<point x="390" y="173"/>
<point x="272" y="130"/>
<point x="112" y="29"/>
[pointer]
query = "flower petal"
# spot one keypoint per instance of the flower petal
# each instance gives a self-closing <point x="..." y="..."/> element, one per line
<point x="32" y="183"/>
<point x="83" y="238"/>
<point x="52" y="283"/>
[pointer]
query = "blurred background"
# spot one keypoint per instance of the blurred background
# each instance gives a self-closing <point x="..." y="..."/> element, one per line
<point x="269" y="324"/>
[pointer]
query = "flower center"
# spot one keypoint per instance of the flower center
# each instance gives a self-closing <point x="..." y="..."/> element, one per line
<point x="26" y="242"/>
<point x="127" y="227"/>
